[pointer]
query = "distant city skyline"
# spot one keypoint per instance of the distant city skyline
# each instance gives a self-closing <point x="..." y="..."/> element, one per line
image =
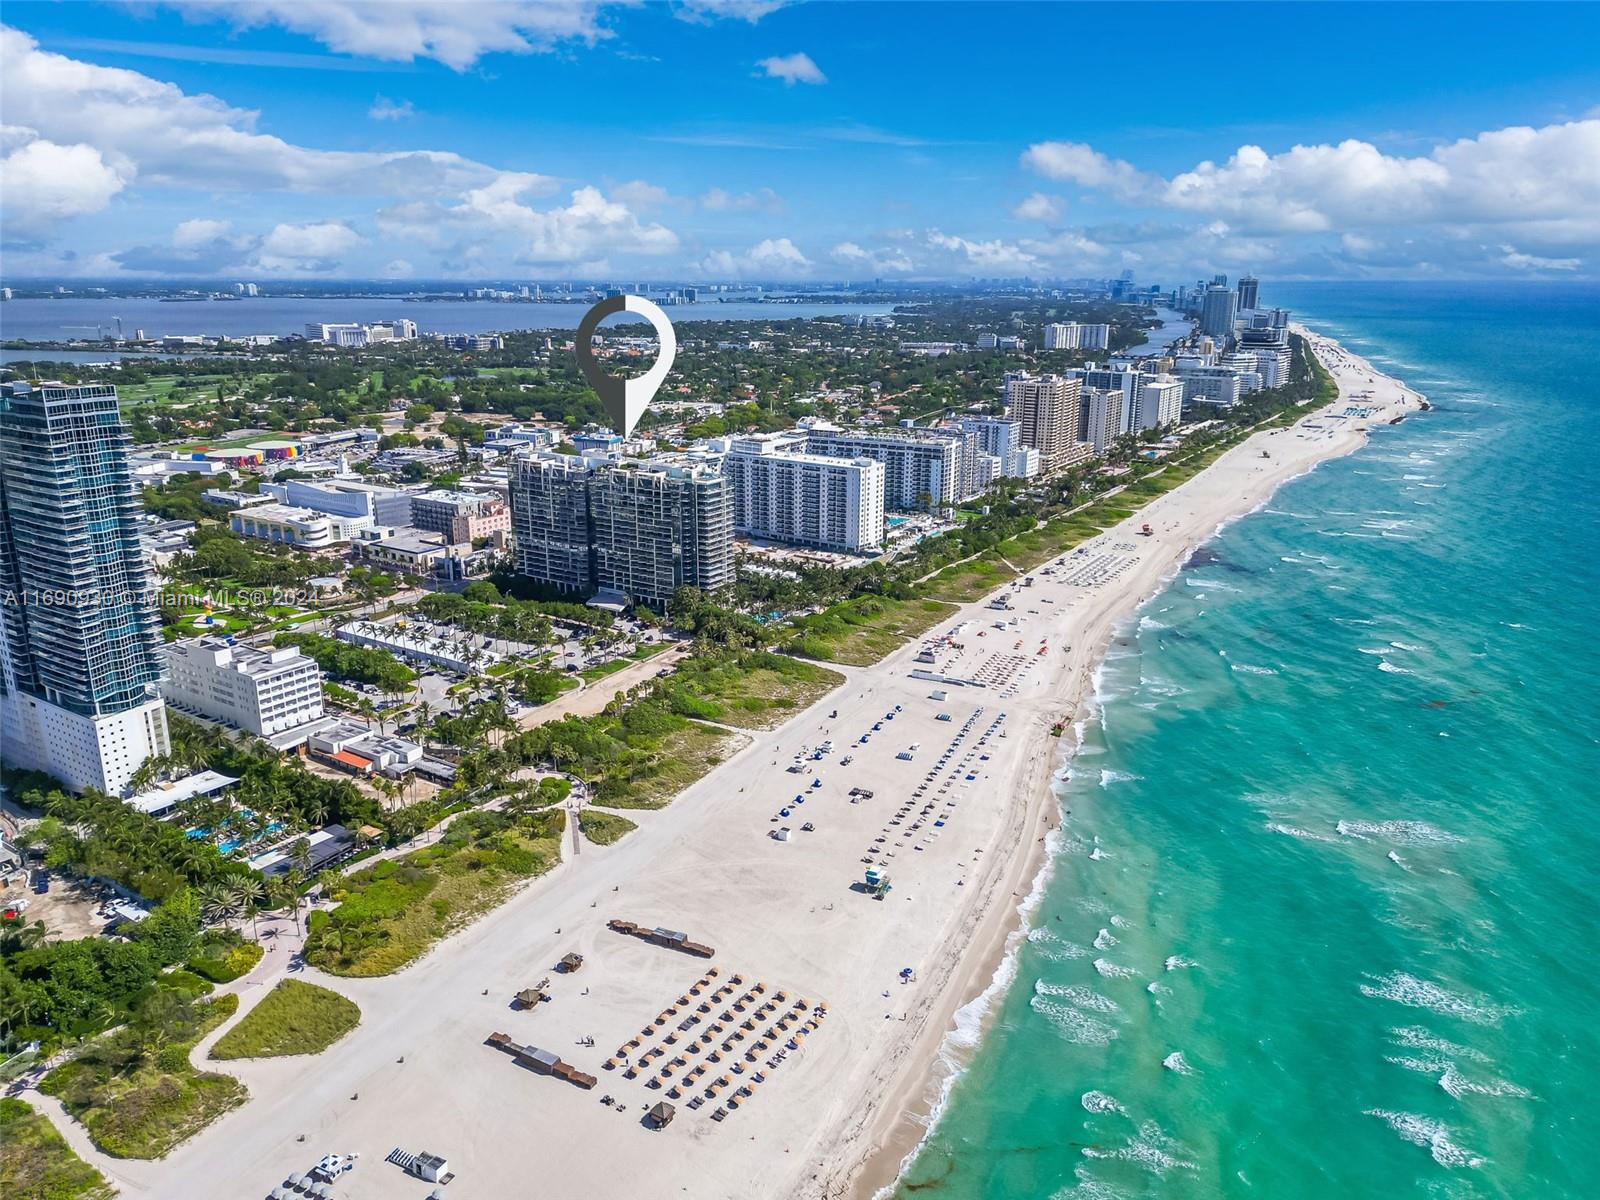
<point x="753" y="140"/>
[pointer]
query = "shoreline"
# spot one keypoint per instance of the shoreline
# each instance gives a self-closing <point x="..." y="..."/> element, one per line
<point x="845" y="1114"/>
<point x="897" y="1144"/>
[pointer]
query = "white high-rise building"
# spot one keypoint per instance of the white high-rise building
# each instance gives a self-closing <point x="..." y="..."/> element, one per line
<point x="922" y="469"/>
<point x="1160" y="402"/>
<point x="1100" y="422"/>
<point x="1061" y="337"/>
<point x="1001" y="437"/>
<point x="1214" y="385"/>
<point x="263" y="692"/>
<point x="1070" y="336"/>
<point x="785" y="495"/>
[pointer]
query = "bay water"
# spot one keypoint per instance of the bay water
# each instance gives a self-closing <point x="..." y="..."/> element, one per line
<point x="1323" y="919"/>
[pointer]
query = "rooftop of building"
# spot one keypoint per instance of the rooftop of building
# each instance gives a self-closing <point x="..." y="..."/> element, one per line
<point x="164" y="796"/>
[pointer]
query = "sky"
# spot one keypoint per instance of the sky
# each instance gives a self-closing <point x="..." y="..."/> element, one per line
<point x="758" y="140"/>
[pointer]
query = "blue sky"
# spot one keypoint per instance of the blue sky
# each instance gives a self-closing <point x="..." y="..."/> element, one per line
<point x="722" y="139"/>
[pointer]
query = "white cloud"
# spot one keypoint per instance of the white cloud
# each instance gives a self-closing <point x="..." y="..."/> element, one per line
<point x="153" y="131"/>
<point x="313" y="248"/>
<point x="636" y="193"/>
<point x="385" y="109"/>
<point x="774" y="258"/>
<point x="792" y="69"/>
<point x="891" y="261"/>
<point x="588" y="229"/>
<point x="988" y="257"/>
<point x="198" y="232"/>
<point x="1074" y="162"/>
<point x="1039" y="207"/>
<point x="46" y="182"/>
<point x="1515" y="259"/>
<point x="451" y="32"/>
<point x="740" y="10"/>
<point x="764" y="200"/>
<point x="1507" y="175"/>
<point x="397" y="268"/>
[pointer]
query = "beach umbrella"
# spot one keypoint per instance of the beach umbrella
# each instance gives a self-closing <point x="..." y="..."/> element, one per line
<point x="294" y="1182"/>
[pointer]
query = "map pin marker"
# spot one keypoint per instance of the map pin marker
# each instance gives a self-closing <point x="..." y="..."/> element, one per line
<point x="625" y="399"/>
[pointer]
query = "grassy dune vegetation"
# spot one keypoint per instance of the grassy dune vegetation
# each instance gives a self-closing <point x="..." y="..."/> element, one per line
<point x="134" y="1090"/>
<point x="603" y="828"/>
<point x="391" y="913"/>
<point x="750" y="690"/>
<point x="293" y="1018"/>
<point x="37" y="1164"/>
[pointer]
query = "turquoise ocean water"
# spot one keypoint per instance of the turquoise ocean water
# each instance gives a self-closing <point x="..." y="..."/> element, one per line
<point x="1325" y="916"/>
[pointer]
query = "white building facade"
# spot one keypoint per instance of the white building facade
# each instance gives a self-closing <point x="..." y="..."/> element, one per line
<point x="263" y="692"/>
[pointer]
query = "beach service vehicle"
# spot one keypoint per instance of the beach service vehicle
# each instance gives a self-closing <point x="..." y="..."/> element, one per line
<point x="331" y="1166"/>
<point x="1146" y="531"/>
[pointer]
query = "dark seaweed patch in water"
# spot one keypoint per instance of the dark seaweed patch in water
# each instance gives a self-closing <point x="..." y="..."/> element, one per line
<point x="1205" y="556"/>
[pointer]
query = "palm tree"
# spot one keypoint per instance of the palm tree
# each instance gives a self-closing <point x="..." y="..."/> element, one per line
<point x="249" y="894"/>
<point x="218" y="902"/>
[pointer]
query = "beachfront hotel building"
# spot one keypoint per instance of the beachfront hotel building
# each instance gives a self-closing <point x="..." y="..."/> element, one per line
<point x="263" y="692"/>
<point x="921" y="468"/>
<point x="785" y="495"/>
<point x="1249" y="293"/>
<point x="1218" y="386"/>
<point x="80" y="638"/>
<point x="1046" y="408"/>
<point x="1160" y="402"/>
<point x="636" y="529"/>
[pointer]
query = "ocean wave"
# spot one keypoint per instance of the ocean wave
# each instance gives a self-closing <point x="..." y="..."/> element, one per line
<point x="1407" y="646"/>
<point x="1433" y="1136"/>
<point x="1104" y="940"/>
<point x="1111" y="970"/>
<point x="1458" y="1085"/>
<point x="1177" y="962"/>
<point x="1415" y="1037"/>
<point x="1378" y="651"/>
<point x="1152" y="1149"/>
<point x="1157" y="989"/>
<point x="1295" y="831"/>
<point x="1403" y="988"/>
<point x="1078" y="996"/>
<point x="1401" y="833"/>
<point x="1247" y="669"/>
<point x="1099" y="1102"/>
<point x="1098" y="854"/>
<point x="1072" y="1023"/>
<point x="1052" y="948"/>
<point x="1176" y="1063"/>
<point x="1119" y="922"/>
<point x="1108" y="777"/>
<point x="1149" y="624"/>
<point x="1388" y="666"/>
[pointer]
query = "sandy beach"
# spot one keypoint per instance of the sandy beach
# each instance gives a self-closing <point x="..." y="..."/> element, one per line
<point x="961" y="802"/>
